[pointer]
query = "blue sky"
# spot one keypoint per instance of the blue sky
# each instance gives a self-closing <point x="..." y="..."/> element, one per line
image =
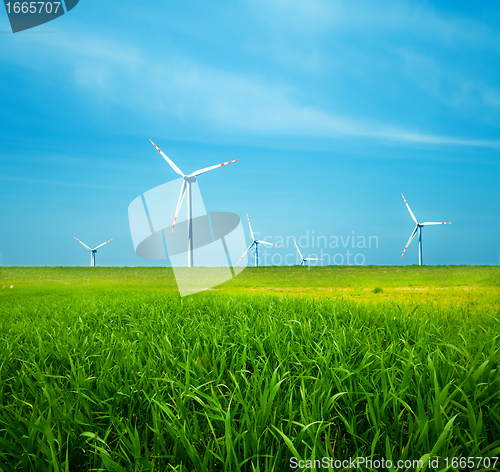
<point x="334" y="109"/>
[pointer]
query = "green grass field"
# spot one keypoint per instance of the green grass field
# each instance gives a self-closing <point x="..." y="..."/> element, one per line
<point x="109" y="369"/>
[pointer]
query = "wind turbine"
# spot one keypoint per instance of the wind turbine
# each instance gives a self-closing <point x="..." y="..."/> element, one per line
<point x="255" y="242"/>
<point x="186" y="188"/>
<point x="92" y="251"/>
<point x="419" y="228"/>
<point x="304" y="259"/>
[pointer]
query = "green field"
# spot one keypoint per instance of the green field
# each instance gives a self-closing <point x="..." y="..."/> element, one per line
<point x="109" y="369"/>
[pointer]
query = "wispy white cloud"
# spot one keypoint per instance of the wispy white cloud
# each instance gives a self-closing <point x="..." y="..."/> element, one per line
<point x="452" y="87"/>
<point x="183" y="89"/>
<point x="315" y="16"/>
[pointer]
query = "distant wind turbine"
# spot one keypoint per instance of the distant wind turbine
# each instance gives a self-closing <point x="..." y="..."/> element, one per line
<point x="186" y="187"/>
<point x="92" y="251"/>
<point x="303" y="259"/>
<point x="419" y="229"/>
<point x="255" y="243"/>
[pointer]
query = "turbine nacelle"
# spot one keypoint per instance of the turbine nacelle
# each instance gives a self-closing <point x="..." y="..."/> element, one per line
<point x="255" y="242"/>
<point x="418" y="228"/>
<point x="92" y="251"/>
<point x="303" y="259"/>
<point x="186" y="189"/>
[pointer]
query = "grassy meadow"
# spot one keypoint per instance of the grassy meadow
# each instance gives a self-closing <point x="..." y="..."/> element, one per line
<point x="109" y="369"/>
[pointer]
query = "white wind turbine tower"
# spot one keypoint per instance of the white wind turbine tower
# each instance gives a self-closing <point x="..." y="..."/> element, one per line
<point x="303" y="259"/>
<point x="92" y="251"/>
<point x="186" y="188"/>
<point x="419" y="228"/>
<point x="255" y="242"/>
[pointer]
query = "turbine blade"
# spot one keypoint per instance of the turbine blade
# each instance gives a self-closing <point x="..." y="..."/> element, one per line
<point x="206" y="169"/>
<point x="179" y="203"/>
<point x="97" y="247"/>
<point x="438" y="223"/>
<point x="269" y="244"/>
<point x="312" y="259"/>
<point x="300" y="254"/>
<point x="250" y="226"/>
<point x="246" y="252"/>
<point x="409" y="240"/>
<point x="167" y="159"/>
<point x="82" y="243"/>
<point x="409" y="209"/>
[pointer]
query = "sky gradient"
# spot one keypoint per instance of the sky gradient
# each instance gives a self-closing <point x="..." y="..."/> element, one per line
<point x="333" y="109"/>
